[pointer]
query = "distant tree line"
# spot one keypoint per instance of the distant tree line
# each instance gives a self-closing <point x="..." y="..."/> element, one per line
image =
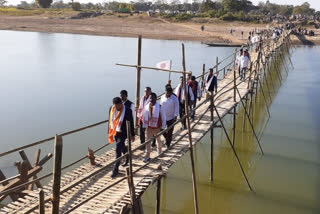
<point x="223" y="9"/>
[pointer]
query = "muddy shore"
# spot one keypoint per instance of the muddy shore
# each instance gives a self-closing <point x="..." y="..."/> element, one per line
<point x="131" y="26"/>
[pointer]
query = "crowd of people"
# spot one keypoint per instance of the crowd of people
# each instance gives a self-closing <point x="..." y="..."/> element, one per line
<point x="154" y="116"/>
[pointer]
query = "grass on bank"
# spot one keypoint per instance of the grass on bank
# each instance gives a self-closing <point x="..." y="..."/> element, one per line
<point x="13" y="11"/>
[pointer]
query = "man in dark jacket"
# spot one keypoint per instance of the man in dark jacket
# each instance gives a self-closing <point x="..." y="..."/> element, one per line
<point x="119" y="115"/>
<point x="211" y="82"/>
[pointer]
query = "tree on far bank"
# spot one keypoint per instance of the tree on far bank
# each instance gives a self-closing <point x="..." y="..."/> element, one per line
<point x="303" y="9"/>
<point x="44" y="3"/>
<point x="2" y="3"/>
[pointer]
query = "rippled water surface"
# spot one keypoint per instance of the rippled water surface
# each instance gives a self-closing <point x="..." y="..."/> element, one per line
<point x="52" y="83"/>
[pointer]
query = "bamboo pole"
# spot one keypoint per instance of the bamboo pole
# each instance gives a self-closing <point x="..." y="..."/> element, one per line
<point x="138" y="81"/>
<point x="130" y="171"/>
<point x="234" y="152"/>
<point x="41" y="202"/>
<point x="211" y="137"/>
<point x="265" y="100"/>
<point x="202" y="76"/>
<point x="56" y="174"/>
<point x="152" y="68"/>
<point x="194" y="182"/>
<point x="250" y="123"/>
<point x="234" y="98"/>
<point x="158" y="200"/>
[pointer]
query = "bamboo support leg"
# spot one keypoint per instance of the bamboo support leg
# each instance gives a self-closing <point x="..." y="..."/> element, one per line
<point x="251" y="124"/>
<point x="56" y="174"/>
<point x="158" y="200"/>
<point x="234" y="152"/>
<point x="194" y="182"/>
<point x="211" y="137"/>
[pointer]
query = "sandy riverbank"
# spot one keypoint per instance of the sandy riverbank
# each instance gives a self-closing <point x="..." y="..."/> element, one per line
<point x="132" y="26"/>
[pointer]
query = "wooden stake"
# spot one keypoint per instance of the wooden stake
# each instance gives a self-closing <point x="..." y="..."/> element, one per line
<point x="234" y="98"/>
<point x="234" y="152"/>
<point x="250" y="123"/>
<point x="202" y="77"/>
<point x="211" y="137"/>
<point x="41" y="202"/>
<point x="194" y="182"/>
<point x="158" y="200"/>
<point x="56" y="174"/>
<point x="138" y="82"/>
<point x="130" y="171"/>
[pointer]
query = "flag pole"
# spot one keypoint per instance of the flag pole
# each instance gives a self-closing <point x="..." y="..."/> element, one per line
<point x="169" y="81"/>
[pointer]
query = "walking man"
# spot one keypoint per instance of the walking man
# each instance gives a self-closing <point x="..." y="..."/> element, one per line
<point x="154" y="119"/>
<point x="179" y="91"/>
<point x="126" y="102"/>
<point x="244" y="62"/>
<point x="238" y="60"/>
<point x="195" y="87"/>
<point x="211" y="81"/>
<point x="119" y="115"/>
<point x="170" y="105"/>
<point x="145" y="99"/>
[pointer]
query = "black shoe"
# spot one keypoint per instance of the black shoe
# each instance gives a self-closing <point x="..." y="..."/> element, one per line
<point x="146" y="160"/>
<point x="114" y="174"/>
<point x="125" y="163"/>
<point x="153" y="144"/>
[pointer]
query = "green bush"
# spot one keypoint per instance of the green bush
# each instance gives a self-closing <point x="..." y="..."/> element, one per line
<point x="183" y="17"/>
<point x="212" y="13"/>
<point x="201" y="15"/>
<point x="76" y="6"/>
<point x="166" y="15"/>
<point x="228" y="17"/>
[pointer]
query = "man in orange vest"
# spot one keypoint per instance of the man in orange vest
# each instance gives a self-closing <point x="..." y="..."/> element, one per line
<point x="119" y="115"/>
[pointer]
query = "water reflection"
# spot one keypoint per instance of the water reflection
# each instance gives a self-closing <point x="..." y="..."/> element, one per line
<point x="286" y="178"/>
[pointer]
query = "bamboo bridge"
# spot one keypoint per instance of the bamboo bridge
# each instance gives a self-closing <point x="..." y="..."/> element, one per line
<point x="90" y="188"/>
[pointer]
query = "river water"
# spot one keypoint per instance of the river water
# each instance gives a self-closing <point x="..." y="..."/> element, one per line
<point x="53" y="83"/>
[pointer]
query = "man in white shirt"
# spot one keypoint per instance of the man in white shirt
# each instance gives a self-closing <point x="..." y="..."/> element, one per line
<point x="244" y="62"/>
<point x="154" y="119"/>
<point x="179" y="91"/>
<point x="170" y="104"/>
<point x="145" y="99"/>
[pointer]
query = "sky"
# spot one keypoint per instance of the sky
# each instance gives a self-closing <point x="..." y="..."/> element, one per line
<point x="314" y="3"/>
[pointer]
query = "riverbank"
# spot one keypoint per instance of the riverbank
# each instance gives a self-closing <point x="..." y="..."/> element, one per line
<point x="132" y="26"/>
<point x="124" y="25"/>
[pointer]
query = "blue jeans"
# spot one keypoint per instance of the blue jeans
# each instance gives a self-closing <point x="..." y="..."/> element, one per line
<point x="243" y="73"/>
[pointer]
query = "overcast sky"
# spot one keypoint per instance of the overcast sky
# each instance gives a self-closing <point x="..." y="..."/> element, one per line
<point x="314" y="3"/>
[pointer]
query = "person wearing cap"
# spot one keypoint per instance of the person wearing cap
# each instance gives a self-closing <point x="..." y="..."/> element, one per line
<point x="119" y="114"/>
<point x="170" y="104"/>
<point x="195" y="87"/>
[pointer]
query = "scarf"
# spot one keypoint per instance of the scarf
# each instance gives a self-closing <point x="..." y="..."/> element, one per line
<point x="178" y="91"/>
<point x="115" y="122"/>
<point x="143" y="102"/>
<point x="192" y="85"/>
<point x="208" y="83"/>
<point x="151" y="115"/>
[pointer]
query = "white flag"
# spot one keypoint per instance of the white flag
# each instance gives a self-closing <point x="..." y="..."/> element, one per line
<point x="164" y="65"/>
